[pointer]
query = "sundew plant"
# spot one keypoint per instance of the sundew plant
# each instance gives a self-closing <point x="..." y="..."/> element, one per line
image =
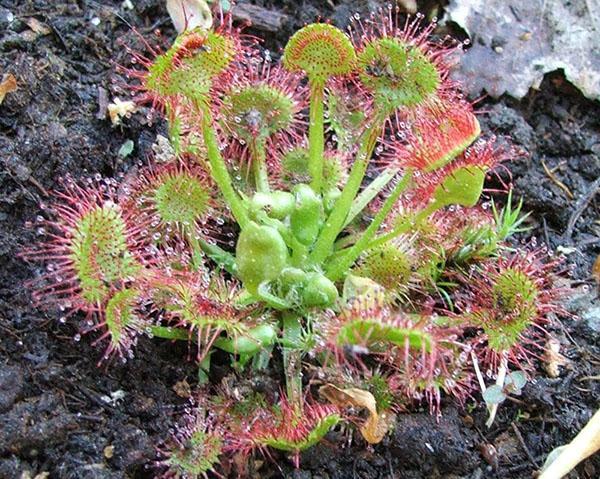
<point x="321" y="216"/>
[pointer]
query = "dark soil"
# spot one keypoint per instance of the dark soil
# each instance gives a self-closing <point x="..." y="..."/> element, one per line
<point x="61" y="414"/>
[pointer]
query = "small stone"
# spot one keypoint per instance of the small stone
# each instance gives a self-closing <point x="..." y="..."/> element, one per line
<point x="109" y="451"/>
<point x="183" y="389"/>
<point x="525" y="37"/>
<point x="162" y="149"/>
<point x="592" y="318"/>
<point x="489" y="453"/>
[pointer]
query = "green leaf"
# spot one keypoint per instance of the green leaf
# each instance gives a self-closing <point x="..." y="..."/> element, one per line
<point x="494" y="395"/>
<point x="250" y="343"/>
<point x="321" y="51"/>
<point x="462" y="187"/>
<point x="126" y="149"/>
<point x="398" y="73"/>
<point x="261" y="254"/>
<point x="356" y="286"/>
<point x="515" y="381"/>
<point x="370" y="192"/>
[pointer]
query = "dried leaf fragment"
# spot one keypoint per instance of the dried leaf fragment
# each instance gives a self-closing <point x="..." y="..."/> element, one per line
<point x="38" y="27"/>
<point x="189" y="14"/>
<point x="596" y="270"/>
<point x="553" y="360"/>
<point x="409" y="6"/>
<point x="120" y="109"/>
<point x="109" y="451"/>
<point x="7" y="85"/>
<point x="376" y="426"/>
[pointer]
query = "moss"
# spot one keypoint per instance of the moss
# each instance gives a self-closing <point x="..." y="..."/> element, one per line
<point x="378" y="386"/>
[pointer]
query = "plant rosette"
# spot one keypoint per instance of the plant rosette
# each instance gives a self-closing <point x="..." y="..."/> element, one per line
<point x="322" y="213"/>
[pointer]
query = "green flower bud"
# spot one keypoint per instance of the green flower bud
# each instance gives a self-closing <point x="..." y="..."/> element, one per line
<point x="319" y="291"/>
<point x="277" y="204"/>
<point x="261" y="255"/>
<point x="292" y="277"/>
<point x="305" y="220"/>
<point x="252" y="342"/>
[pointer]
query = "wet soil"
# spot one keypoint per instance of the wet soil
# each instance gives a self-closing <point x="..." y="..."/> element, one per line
<point x="63" y="415"/>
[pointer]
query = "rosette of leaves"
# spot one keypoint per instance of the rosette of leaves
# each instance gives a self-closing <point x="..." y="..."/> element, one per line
<point x="309" y="237"/>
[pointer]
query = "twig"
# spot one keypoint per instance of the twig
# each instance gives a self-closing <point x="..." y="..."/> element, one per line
<point x="39" y="186"/>
<point x="586" y="443"/>
<point x="478" y="372"/>
<point x="501" y="376"/>
<point x="260" y="18"/>
<point x="544" y="420"/>
<point x="89" y="417"/>
<point x="515" y="400"/>
<point x="589" y="378"/>
<point x="523" y="445"/>
<point x="558" y="167"/>
<point x="557" y="182"/>
<point x="546" y="234"/>
<point x="10" y="331"/>
<point x="580" y="207"/>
